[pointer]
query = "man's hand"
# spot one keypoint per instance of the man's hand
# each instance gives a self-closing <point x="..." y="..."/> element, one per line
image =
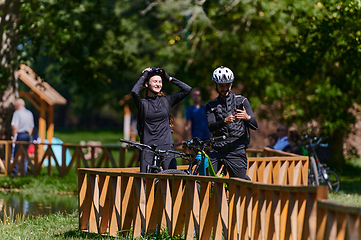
<point x="241" y="114"/>
<point x="230" y="119"/>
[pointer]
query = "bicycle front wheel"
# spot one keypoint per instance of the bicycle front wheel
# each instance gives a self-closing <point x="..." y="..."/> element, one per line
<point x="333" y="181"/>
<point x="313" y="173"/>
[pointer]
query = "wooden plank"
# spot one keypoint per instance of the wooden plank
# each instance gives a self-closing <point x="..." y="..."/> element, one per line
<point x="94" y="206"/>
<point x="267" y="178"/>
<point x="277" y="213"/>
<point x="269" y="232"/>
<point x="50" y="130"/>
<point x="42" y="123"/>
<point x="341" y="225"/>
<point x="104" y="202"/>
<point x="150" y="193"/>
<point x="321" y="223"/>
<point x="39" y="86"/>
<point x="138" y="209"/>
<point x="232" y="212"/>
<point x="8" y="149"/>
<point x="301" y="218"/>
<point x="249" y="207"/>
<point x="255" y="213"/>
<point x="284" y="221"/>
<point x="242" y="216"/>
<point x="192" y="209"/>
<point x="353" y="226"/>
<point x="115" y="206"/>
<point x="178" y="211"/>
<point x="331" y="225"/>
<point x="311" y="216"/>
<point x="260" y="172"/>
<point x="127" y="203"/>
<point x="283" y="173"/>
<point x="293" y="215"/>
<point x="83" y="201"/>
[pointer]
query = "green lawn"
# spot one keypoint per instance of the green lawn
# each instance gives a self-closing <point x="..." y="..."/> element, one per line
<point x="106" y="137"/>
<point x="350" y="180"/>
<point x="57" y="226"/>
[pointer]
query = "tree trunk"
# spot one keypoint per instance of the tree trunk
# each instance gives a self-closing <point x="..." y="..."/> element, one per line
<point x="8" y="87"/>
<point x="336" y="142"/>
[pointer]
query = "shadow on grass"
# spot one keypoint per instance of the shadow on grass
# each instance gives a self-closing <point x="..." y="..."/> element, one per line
<point x="84" y="235"/>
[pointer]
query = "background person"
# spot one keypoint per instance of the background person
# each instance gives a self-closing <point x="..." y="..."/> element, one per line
<point x="22" y="125"/>
<point x="272" y="139"/>
<point x="225" y="120"/>
<point x="294" y="146"/>
<point x="282" y="142"/>
<point x="196" y="118"/>
<point x="154" y="114"/>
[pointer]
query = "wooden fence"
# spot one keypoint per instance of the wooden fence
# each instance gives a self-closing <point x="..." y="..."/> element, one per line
<point x="88" y="156"/>
<point x="338" y="221"/>
<point x="117" y="200"/>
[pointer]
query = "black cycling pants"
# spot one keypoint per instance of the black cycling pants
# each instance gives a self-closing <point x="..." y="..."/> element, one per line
<point x="235" y="161"/>
<point x="168" y="161"/>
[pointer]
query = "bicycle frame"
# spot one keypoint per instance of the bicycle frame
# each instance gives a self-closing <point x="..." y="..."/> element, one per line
<point x="202" y="160"/>
<point x="155" y="167"/>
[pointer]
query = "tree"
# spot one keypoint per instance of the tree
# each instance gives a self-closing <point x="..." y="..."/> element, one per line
<point x="320" y="72"/>
<point x="8" y="23"/>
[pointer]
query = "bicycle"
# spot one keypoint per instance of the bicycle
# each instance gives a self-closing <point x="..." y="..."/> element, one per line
<point x="201" y="159"/>
<point x="202" y="162"/>
<point x="319" y="173"/>
<point x="155" y="166"/>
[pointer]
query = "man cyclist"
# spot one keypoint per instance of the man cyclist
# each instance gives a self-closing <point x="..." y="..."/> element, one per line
<point x="224" y="119"/>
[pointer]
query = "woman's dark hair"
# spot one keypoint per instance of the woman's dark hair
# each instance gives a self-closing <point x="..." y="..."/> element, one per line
<point x="294" y="136"/>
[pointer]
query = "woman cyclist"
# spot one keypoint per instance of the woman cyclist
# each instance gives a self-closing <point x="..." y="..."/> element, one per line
<point x="154" y="114"/>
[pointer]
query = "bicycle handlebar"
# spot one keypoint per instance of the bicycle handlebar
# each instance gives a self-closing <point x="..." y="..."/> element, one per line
<point x="312" y="139"/>
<point x="154" y="149"/>
<point x="198" y="144"/>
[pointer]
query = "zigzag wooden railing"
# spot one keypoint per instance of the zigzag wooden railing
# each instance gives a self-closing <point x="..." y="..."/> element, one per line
<point x="114" y="200"/>
<point x="105" y="158"/>
<point x="338" y="221"/>
<point x="282" y="170"/>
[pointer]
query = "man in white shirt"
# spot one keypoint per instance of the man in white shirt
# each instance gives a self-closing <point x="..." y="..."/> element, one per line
<point x="22" y="125"/>
<point x="282" y="142"/>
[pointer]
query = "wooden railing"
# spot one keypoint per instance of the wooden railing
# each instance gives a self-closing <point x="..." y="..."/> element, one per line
<point x="281" y="170"/>
<point x="88" y="156"/>
<point x="338" y="221"/>
<point x="117" y="200"/>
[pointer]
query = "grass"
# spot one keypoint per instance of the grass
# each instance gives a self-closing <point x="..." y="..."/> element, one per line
<point x="350" y="180"/>
<point x="106" y="137"/>
<point x="43" y="182"/>
<point x="57" y="226"/>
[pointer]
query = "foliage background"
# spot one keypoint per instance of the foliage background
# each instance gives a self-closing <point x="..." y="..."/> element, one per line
<point x="296" y="61"/>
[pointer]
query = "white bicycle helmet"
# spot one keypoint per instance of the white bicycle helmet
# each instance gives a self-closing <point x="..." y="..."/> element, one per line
<point x="223" y="75"/>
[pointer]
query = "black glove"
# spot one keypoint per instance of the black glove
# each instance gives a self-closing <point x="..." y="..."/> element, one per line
<point x="145" y="74"/>
<point x="165" y="76"/>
